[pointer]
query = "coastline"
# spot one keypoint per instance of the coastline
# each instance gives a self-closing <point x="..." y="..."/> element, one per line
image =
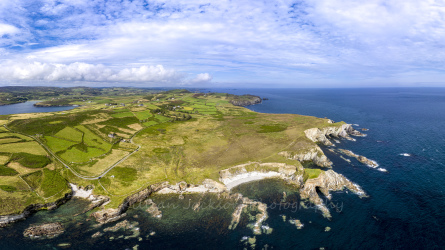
<point x="229" y="178"/>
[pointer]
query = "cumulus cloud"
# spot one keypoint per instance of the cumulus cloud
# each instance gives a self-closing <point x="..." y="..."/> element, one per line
<point x="202" y="78"/>
<point x="6" y="29"/>
<point x="283" y="41"/>
<point x="89" y="73"/>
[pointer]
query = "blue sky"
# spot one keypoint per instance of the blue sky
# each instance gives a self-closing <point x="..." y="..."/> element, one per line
<point x="240" y="43"/>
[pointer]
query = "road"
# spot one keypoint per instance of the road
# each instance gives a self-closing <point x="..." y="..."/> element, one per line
<point x="72" y="170"/>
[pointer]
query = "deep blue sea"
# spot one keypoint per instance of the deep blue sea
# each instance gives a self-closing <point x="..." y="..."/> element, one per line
<point x="405" y="208"/>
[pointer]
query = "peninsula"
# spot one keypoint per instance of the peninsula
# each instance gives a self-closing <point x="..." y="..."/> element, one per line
<point x="121" y="145"/>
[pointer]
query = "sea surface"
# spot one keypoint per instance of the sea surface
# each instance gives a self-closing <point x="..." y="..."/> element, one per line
<point x="28" y="107"/>
<point x="405" y="208"/>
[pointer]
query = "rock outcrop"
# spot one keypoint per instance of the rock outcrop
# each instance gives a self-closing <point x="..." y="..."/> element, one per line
<point x="325" y="182"/>
<point x="49" y="230"/>
<point x="207" y="186"/>
<point x="360" y="158"/>
<point x="314" y="154"/>
<point x="245" y="100"/>
<point x="109" y="215"/>
<point x="248" y="204"/>
<point x="153" y="209"/>
<point x="322" y="135"/>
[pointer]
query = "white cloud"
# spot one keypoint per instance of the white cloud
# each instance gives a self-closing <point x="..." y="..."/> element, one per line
<point x="6" y="29"/>
<point x="262" y="41"/>
<point x="202" y="78"/>
<point x="88" y="73"/>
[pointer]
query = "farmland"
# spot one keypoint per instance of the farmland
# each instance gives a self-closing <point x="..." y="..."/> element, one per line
<point x="120" y="143"/>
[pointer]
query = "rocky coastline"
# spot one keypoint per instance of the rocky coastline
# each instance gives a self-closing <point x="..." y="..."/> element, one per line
<point x="28" y="211"/>
<point x="293" y="174"/>
<point x="247" y="100"/>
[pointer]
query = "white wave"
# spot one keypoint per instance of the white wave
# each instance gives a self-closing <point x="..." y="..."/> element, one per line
<point x="356" y="125"/>
<point x="405" y="154"/>
<point x="382" y="170"/>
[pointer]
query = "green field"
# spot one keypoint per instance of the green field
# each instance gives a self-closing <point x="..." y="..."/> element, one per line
<point x="182" y="137"/>
<point x="70" y="134"/>
<point x="92" y="140"/>
<point x="122" y="114"/>
<point x="30" y="160"/>
<point x="143" y="115"/>
<point x="57" y="145"/>
<point x="5" y="171"/>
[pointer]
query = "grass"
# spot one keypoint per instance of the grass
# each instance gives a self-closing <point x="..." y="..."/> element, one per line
<point x="10" y="140"/>
<point x="8" y="188"/>
<point x="143" y="115"/>
<point x="124" y="175"/>
<point x="4" y="159"/>
<point x="30" y="160"/>
<point x="149" y="123"/>
<point x="272" y="128"/>
<point x="122" y="114"/>
<point x="162" y="119"/>
<point x="52" y="183"/>
<point x="70" y="133"/>
<point x="92" y="140"/>
<point x="221" y="136"/>
<point x="76" y="155"/>
<point x="103" y="163"/>
<point x="31" y="147"/>
<point x="34" y="179"/>
<point x="311" y="173"/>
<point x="6" y="171"/>
<point x="57" y="145"/>
<point x="120" y="122"/>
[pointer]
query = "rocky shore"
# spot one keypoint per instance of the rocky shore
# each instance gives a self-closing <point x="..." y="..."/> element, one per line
<point x="7" y="219"/>
<point x="360" y="158"/>
<point x="49" y="230"/>
<point x="323" y="135"/>
<point x="246" y="100"/>
<point x="229" y="178"/>
<point x="327" y="181"/>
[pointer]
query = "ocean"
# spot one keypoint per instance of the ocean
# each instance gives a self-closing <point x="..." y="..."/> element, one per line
<point x="404" y="209"/>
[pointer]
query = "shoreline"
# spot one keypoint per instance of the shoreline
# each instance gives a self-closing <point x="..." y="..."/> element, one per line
<point x="229" y="178"/>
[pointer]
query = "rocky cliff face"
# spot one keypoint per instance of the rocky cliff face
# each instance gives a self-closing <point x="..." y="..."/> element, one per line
<point x="246" y="100"/>
<point x="109" y="215"/>
<point x="314" y="154"/>
<point x="323" y="135"/>
<point x="325" y="182"/>
<point x="7" y="219"/>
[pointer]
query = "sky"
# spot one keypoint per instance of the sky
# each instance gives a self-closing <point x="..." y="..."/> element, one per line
<point x="222" y="43"/>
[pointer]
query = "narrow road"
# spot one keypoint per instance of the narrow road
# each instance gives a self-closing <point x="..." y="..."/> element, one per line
<point x="72" y="170"/>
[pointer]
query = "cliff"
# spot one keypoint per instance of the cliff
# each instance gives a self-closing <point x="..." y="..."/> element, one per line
<point x="109" y="215"/>
<point x="324" y="134"/>
<point x="314" y="154"/>
<point x="325" y="182"/>
<point x="7" y="219"/>
<point x="245" y="100"/>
